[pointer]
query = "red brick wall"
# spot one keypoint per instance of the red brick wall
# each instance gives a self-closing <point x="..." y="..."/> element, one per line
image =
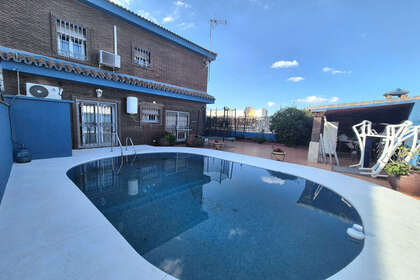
<point x="128" y="125"/>
<point x="29" y="25"/>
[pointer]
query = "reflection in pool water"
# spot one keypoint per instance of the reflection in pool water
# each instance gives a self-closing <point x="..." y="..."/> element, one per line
<point x="199" y="217"/>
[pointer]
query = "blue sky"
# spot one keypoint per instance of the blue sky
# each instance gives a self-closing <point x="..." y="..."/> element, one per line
<point x="282" y="53"/>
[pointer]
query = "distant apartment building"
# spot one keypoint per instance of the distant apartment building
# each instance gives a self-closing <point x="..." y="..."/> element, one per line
<point x="125" y="74"/>
<point x="247" y="120"/>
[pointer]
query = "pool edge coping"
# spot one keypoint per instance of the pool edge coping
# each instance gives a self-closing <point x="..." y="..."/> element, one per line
<point x="366" y="263"/>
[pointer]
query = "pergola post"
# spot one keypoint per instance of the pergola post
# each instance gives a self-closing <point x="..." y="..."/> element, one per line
<point x="313" y="151"/>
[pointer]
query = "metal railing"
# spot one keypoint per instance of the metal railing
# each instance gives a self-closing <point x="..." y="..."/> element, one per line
<point x="128" y="139"/>
<point x="115" y="134"/>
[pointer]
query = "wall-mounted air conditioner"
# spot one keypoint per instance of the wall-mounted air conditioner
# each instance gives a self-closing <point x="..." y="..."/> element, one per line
<point x="43" y="91"/>
<point x="109" y="59"/>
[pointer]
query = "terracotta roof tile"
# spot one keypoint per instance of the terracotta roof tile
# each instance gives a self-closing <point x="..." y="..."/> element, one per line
<point x="96" y="73"/>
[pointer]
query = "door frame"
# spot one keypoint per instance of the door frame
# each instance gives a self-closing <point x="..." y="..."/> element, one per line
<point x="187" y="130"/>
<point x="77" y="120"/>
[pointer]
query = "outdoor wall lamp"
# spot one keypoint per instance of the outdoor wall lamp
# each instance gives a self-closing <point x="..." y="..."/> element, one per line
<point x="99" y="92"/>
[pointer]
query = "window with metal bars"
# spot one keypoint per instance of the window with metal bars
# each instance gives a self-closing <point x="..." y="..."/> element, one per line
<point x="150" y="113"/>
<point x="71" y="40"/>
<point x="142" y="57"/>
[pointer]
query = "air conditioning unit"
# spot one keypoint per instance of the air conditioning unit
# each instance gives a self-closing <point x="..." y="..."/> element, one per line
<point x="109" y="59"/>
<point x="43" y="91"/>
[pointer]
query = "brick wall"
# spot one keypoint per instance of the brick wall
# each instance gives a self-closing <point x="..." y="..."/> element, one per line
<point x="29" y="25"/>
<point x="128" y="125"/>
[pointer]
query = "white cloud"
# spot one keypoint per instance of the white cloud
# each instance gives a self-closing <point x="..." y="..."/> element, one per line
<point x="124" y="3"/>
<point x="175" y="15"/>
<point x="295" y="79"/>
<point x="317" y="99"/>
<point x="271" y="103"/>
<point x="186" y="25"/>
<point x="285" y="64"/>
<point x="147" y="15"/>
<point x="168" y="19"/>
<point x="335" y="71"/>
<point x="182" y="4"/>
<point x="273" y="180"/>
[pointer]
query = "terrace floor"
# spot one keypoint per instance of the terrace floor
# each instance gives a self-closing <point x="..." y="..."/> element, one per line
<point x="50" y="230"/>
<point x="296" y="155"/>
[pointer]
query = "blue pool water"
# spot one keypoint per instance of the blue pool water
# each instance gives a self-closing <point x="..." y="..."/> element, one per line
<point x="204" y="218"/>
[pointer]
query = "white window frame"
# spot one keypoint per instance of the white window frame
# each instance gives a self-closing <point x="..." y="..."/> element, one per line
<point x="142" y="57"/>
<point x="75" y="35"/>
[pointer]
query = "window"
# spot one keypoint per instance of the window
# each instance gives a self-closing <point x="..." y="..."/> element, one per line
<point x="142" y="57"/>
<point x="71" y="40"/>
<point x="150" y="113"/>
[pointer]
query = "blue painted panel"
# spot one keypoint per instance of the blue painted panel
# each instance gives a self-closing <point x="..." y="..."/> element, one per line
<point x="250" y="135"/>
<point x="153" y="28"/>
<point x="13" y="66"/>
<point x="6" y="151"/>
<point x="41" y="125"/>
<point x="247" y="135"/>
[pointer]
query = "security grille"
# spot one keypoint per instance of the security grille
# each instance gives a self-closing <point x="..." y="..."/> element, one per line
<point x="71" y="40"/>
<point x="142" y="57"/>
<point x="150" y="113"/>
<point x="97" y="122"/>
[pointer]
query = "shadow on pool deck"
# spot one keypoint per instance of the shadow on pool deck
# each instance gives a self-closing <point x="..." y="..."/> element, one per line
<point x="296" y="155"/>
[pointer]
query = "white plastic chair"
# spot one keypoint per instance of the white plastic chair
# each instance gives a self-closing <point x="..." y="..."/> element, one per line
<point x="394" y="136"/>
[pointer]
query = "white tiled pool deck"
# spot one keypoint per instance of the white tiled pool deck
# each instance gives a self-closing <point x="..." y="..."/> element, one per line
<point x="50" y="230"/>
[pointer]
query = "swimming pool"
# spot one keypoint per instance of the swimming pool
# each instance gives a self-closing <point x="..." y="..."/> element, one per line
<point x="195" y="215"/>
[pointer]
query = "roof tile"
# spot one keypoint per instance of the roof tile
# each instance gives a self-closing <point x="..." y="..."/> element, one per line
<point x="96" y="73"/>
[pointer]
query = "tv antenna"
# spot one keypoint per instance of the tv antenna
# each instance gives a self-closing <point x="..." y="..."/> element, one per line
<point x="213" y="23"/>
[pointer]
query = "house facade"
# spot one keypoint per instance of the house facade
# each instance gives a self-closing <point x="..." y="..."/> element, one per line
<point x="100" y="55"/>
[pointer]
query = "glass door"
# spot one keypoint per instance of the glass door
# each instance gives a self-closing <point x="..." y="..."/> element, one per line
<point x="183" y="126"/>
<point x="178" y="124"/>
<point x="97" y="121"/>
<point x="107" y="123"/>
<point x="88" y="127"/>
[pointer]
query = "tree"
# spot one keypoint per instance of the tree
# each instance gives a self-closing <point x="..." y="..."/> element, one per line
<point x="292" y="126"/>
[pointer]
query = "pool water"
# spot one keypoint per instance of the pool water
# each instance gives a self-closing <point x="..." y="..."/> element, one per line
<point x="199" y="217"/>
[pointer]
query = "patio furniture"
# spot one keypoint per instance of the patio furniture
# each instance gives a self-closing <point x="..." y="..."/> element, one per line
<point x="328" y="142"/>
<point x="393" y="137"/>
<point x="278" y="153"/>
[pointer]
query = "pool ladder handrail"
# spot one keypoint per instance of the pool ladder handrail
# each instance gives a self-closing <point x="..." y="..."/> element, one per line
<point x="128" y="138"/>
<point x="115" y="134"/>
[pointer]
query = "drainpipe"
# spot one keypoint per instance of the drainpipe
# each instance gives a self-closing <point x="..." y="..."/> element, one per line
<point x="18" y="82"/>
<point x="115" y="40"/>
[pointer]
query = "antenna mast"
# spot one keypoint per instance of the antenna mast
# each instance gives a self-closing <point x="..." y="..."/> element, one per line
<point x="213" y="23"/>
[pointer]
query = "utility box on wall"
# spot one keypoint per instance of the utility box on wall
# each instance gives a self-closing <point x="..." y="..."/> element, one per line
<point x="42" y="125"/>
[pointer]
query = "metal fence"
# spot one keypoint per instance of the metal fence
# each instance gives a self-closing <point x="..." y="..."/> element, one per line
<point x="248" y="123"/>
